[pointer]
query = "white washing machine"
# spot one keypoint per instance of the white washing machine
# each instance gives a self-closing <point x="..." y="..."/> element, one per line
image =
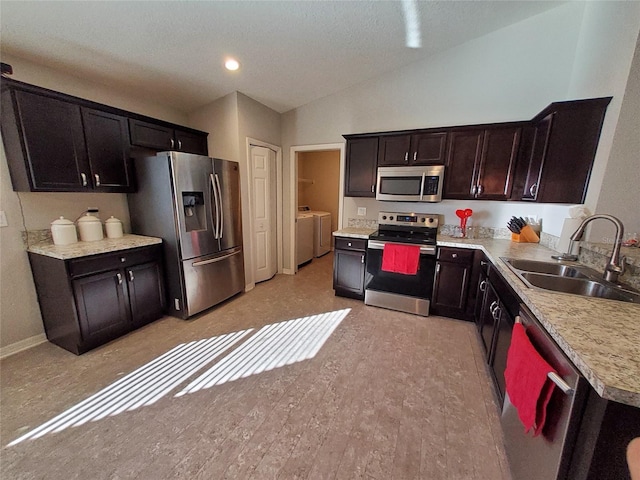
<point x="304" y="237"/>
<point x="322" y="235"/>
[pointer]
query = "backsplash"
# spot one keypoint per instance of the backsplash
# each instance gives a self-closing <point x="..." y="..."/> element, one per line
<point x="362" y="223"/>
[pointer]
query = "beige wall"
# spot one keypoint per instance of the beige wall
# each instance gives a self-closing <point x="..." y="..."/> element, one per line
<point x="20" y="320"/>
<point x="230" y="121"/>
<point x="322" y="193"/>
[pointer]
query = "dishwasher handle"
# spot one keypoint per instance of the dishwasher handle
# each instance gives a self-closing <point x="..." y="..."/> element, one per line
<point x="553" y="376"/>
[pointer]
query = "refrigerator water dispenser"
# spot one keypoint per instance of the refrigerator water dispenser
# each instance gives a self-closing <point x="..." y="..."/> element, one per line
<point x="194" y="211"/>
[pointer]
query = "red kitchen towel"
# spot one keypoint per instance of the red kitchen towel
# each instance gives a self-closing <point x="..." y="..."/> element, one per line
<point x="400" y="258"/>
<point x="527" y="384"/>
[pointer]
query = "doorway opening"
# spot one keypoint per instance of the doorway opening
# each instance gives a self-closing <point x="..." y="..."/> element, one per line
<point x="317" y="178"/>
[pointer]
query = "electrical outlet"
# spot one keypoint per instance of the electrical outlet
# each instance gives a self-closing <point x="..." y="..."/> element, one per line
<point x="3" y="219"/>
<point x="362" y="211"/>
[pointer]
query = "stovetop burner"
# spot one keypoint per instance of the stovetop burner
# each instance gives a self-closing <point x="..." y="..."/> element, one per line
<point x="414" y="228"/>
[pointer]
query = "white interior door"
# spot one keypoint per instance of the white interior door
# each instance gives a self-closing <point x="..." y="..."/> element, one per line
<point x="263" y="174"/>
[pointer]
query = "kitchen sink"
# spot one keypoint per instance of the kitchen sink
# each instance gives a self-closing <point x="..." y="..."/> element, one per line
<point x="551" y="268"/>
<point x="571" y="278"/>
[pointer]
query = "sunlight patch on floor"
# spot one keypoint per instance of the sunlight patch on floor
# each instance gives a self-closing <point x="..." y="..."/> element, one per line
<point x="272" y="346"/>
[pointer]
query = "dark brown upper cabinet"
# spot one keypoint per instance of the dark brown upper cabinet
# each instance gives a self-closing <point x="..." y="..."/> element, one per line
<point x="60" y="143"/>
<point x="423" y="148"/>
<point x="557" y="165"/>
<point x="360" y="168"/>
<point x="481" y="162"/>
<point x="160" y="137"/>
<point x="108" y="147"/>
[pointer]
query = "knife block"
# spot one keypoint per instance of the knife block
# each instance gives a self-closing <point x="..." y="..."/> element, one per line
<point x="526" y="235"/>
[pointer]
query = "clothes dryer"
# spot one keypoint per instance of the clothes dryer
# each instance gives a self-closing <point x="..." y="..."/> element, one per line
<point x="322" y="235"/>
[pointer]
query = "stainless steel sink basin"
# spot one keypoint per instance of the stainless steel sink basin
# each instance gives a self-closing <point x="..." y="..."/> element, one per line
<point x="571" y="278"/>
<point x="580" y="286"/>
<point x="551" y="268"/>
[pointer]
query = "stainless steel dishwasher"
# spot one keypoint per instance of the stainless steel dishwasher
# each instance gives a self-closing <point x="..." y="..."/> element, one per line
<point x="547" y="456"/>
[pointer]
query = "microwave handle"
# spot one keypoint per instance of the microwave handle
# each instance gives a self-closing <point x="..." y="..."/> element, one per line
<point x="422" y="187"/>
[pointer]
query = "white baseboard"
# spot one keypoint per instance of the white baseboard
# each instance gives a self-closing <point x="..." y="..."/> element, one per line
<point x="22" y="345"/>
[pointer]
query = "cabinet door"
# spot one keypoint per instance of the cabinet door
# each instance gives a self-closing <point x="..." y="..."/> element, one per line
<point x="101" y="302"/>
<point x="428" y="148"/>
<point x="486" y="320"/>
<point x="191" y="142"/>
<point x="54" y="147"/>
<point x="538" y="151"/>
<point x="504" y="328"/>
<point x="146" y="292"/>
<point x="348" y="273"/>
<point x="107" y="138"/>
<point x="465" y="148"/>
<point x="393" y="150"/>
<point x="450" y="289"/>
<point x="151" y="135"/>
<point x="497" y="163"/>
<point x="360" y="173"/>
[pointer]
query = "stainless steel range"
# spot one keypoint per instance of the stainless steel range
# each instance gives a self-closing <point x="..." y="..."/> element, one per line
<point x="409" y="293"/>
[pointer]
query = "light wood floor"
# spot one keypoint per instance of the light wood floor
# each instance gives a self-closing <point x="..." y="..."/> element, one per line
<point x="388" y="396"/>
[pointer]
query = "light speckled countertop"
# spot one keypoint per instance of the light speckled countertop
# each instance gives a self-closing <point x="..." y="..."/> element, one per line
<point x="600" y="336"/>
<point x="83" y="249"/>
<point x="354" y="232"/>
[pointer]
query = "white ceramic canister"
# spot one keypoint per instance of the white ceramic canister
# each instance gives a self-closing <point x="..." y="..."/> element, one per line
<point x="63" y="232"/>
<point x="90" y="228"/>
<point x="113" y="226"/>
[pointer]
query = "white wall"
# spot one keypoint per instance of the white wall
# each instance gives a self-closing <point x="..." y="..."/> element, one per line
<point x="510" y="74"/>
<point x="20" y="320"/>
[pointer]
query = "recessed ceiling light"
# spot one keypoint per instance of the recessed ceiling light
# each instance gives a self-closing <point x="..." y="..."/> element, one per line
<point x="231" y="64"/>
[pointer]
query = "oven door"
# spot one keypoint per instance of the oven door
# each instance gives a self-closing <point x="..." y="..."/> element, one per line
<point x="407" y="293"/>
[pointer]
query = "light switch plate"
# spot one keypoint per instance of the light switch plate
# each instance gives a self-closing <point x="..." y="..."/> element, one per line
<point x="362" y="211"/>
<point x="3" y="219"/>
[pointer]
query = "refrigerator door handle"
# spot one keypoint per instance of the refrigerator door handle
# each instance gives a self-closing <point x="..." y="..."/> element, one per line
<point x="221" y="212"/>
<point x="217" y="259"/>
<point x="216" y="208"/>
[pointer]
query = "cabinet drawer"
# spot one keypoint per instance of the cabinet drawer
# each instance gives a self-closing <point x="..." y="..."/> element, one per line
<point x="455" y="255"/>
<point x="113" y="260"/>
<point x="345" y="243"/>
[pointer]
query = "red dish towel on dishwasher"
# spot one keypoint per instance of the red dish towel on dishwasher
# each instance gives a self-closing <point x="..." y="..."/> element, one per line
<point x="400" y="258"/>
<point x="527" y="384"/>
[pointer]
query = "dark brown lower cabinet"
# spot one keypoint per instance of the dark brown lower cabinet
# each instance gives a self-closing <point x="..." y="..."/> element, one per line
<point x="88" y="301"/>
<point x="349" y="267"/>
<point x="451" y="285"/>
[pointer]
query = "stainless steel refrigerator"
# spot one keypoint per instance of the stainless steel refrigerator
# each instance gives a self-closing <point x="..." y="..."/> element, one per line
<point x="193" y="203"/>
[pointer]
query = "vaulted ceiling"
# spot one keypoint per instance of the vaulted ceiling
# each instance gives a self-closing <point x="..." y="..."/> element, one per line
<point x="291" y="52"/>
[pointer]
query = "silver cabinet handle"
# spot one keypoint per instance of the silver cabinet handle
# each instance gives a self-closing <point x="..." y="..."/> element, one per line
<point x="131" y="278"/>
<point x="483" y="285"/>
<point x="119" y="275"/>
<point x="493" y="306"/>
<point x="406" y="157"/>
<point x="179" y="144"/>
<point x="454" y="255"/>
<point x="97" y="177"/>
<point x="372" y="188"/>
<point x="84" y="179"/>
<point x="362" y="259"/>
<point x="533" y="189"/>
<point x="496" y="313"/>
<point x="415" y="155"/>
<point x="437" y="267"/>
<point x="172" y="144"/>
<point x="349" y="243"/>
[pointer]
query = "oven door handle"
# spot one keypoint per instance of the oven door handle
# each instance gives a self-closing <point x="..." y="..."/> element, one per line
<point x="424" y="249"/>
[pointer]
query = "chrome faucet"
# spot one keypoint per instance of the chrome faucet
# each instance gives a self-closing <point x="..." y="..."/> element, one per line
<point x="615" y="267"/>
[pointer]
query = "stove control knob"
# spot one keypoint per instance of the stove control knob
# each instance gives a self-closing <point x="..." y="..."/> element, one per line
<point x="384" y="217"/>
<point x="430" y="220"/>
<point x="391" y="217"/>
<point x="422" y="220"/>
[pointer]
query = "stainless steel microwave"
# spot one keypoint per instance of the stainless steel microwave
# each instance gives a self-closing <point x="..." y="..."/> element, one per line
<point x="410" y="184"/>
